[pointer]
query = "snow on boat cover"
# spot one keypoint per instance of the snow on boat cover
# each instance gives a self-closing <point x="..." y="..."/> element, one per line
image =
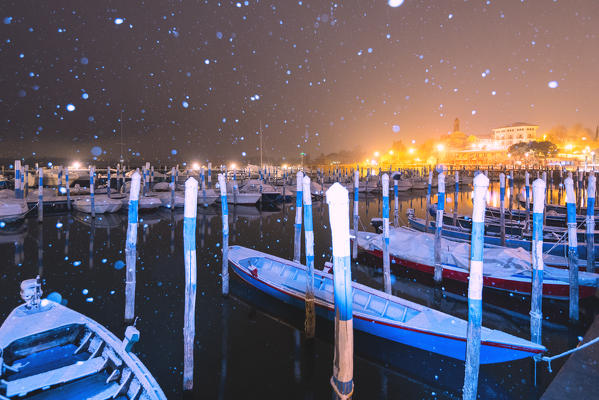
<point x="510" y="265"/>
<point x="375" y="312"/>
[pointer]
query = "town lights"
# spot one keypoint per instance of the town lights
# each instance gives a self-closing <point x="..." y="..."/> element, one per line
<point x="232" y="166"/>
<point x="76" y="165"/>
<point x="376" y="154"/>
<point x="411" y="150"/>
<point x="390" y="152"/>
<point x="195" y="166"/>
<point x="440" y="147"/>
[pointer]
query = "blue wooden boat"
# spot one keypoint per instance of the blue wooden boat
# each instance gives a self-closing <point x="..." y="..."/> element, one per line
<point x="48" y="351"/>
<point x="376" y="312"/>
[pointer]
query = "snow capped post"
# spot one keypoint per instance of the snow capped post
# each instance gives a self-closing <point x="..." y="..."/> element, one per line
<point x="396" y="198"/>
<point x="455" y="197"/>
<point x="92" y="200"/>
<point x="189" y="250"/>
<point x="590" y="223"/>
<point x="428" y="199"/>
<point x="18" y="179"/>
<point x="342" y="379"/>
<point x="502" y="207"/>
<point x="527" y="189"/>
<point x="356" y="210"/>
<point x="222" y="182"/>
<point x="108" y="180"/>
<point x="572" y="248"/>
<point x="130" y="247"/>
<point x="386" y="260"/>
<point x="438" y="275"/>
<point x="297" y="245"/>
<point x="66" y="177"/>
<point x="475" y="288"/>
<point x="40" y="195"/>
<point x="536" y="313"/>
<point x="173" y="184"/>
<point x="310" y="323"/>
<point x="210" y="175"/>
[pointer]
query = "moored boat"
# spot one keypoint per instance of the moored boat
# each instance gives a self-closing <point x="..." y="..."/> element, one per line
<point x="505" y="269"/>
<point x="102" y="204"/>
<point x="12" y="210"/>
<point x="375" y="312"/>
<point x="48" y="351"/>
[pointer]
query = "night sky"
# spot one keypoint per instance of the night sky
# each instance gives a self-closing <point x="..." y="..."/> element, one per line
<point x="195" y="79"/>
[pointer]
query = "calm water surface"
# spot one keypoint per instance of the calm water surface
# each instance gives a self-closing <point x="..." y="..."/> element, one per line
<point x="248" y="344"/>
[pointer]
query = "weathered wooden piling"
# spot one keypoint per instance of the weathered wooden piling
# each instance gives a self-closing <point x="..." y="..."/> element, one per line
<point x="396" y="203"/>
<point x="572" y="248"/>
<point x="310" y="323"/>
<point x="17" y="167"/>
<point x="475" y="288"/>
<point x="40" y="194"/>
<point x="222" y="182"/>
<point x="356" y="211"/>
<point x="502" y="207"/>
<point x="297" y="244"/>
<point x="590" y="222"/>
<point x="536" y="312"/>
<point x="131" y="247"/>
<point x="438" y="274"/>
<point x="25" y="180"/>
<point x="386" y="259"/>
<point x="342" y="379"/>
<point x="189" y="248"/>
<point x="173" y="186"/>
<point x="92" y="199"/>
<point x="455" y="197"/>
<point x="210" y="175"/>
<point x="68" y="187"/>
<point x="527" y="190"/>
<point x="108" y="181"/>
<point x="428" y="200"/>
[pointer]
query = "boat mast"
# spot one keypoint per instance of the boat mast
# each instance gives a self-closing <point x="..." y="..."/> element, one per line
<point x="261" y="165"/>
<point x="122" y="159"/>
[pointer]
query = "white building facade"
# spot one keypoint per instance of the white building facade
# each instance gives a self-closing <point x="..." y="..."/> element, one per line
<point x="506" y="136"/>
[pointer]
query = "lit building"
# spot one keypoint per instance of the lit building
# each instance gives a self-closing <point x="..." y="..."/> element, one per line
<point x="506" y="136"/>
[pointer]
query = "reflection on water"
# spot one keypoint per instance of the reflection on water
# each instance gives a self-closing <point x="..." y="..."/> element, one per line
<point x="248" y="344"/>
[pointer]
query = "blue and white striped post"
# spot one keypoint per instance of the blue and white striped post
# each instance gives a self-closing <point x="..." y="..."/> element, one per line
<point x="455" y="197"/>
<point x="131" y="247"/>
<point x="18" y="179"/>
<point x="297" y="244"/>
<point x="343" y="367"/>
<point x="152" y="179"/>
<point x="25" y="180"/>
<point x="147" y="178"/>
<point x="108" y="181"/>
<point x="396" y="198"/>
<point x="545" y="198"/>
<point x="189" y="249"/>
<point x="590" y="222"/>
<point x="428" y="199"/>
<point x="438" y="275"/>
<point x="386" y="260"/>
<point x="236" y="188"/>
<point x="310" y="323"/>
<point x="40" y="195"/>
<point x="536" y="312"/>
<point x="68" y="187"/>
<point x="356" y="211"/>
<point x="475" y="288"/>
<point x="502" y="207"/>
<point x="118" y="177"/>
<point x="173" y="185"/>
<point x="527" y="189"/>
<point x="572" y="248"/>
<point x="225" y="219"/>
<point x="210" y="175"/>
<point x="203" y="182"/>
<point x="59" y="183"/>
<point x="92" y="199"/>
<point x="511" y="193"/>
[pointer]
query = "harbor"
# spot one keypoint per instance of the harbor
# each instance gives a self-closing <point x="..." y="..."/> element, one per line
<point x="81" y="261"/>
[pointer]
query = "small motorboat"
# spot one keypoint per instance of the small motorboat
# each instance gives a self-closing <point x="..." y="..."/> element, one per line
<point x="102" y="204"/>
<point x="48" y="351"/>
<point x="148" y="202"/>
<point x="376" y="312"/>
<point x="209" y="198"/>
<point x="165" y="199"/>
<point x="12" y="210"/>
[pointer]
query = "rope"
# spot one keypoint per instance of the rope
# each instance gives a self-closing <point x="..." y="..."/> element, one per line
<point x="340" y="395"/>
<point x="565" y="353"/>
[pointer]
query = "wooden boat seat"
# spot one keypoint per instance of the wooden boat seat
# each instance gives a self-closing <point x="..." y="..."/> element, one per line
<point x="54" y="377"/>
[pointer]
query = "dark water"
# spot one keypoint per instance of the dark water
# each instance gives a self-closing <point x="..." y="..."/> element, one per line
<point x="249" y="345"/>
